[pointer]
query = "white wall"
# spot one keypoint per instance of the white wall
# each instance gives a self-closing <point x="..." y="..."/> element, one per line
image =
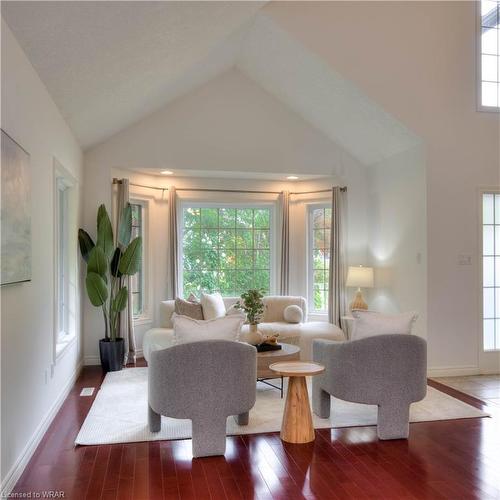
<point x="423" y="72"/>
<point x="397" y="235"/>
<point x="32" y="386"/>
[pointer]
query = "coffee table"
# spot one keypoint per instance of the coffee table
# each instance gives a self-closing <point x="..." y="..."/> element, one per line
<point x="288" y="352"/>
<point x="297" y="426"/>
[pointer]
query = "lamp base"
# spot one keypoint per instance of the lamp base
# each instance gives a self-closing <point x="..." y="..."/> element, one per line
<point x="358" y="302"/>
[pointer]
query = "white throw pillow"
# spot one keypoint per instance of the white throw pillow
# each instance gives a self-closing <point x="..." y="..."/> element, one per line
<point x="369" y="323"/>
<point x="213" y="305"/>
<point x="192" y="330"/>
<point x="293" y="314"/>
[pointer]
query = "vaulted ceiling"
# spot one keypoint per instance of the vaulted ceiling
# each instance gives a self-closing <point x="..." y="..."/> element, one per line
<point x="109" y="64"/>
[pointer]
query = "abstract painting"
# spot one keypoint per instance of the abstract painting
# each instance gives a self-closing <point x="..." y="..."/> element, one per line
<point x="15" y="213"/>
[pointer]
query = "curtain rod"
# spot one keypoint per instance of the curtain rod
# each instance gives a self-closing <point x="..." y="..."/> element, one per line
<point x="208" y="190"/>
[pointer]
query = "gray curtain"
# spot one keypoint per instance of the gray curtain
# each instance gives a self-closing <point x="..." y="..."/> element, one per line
<point x="126" y="319"/>
<point x="337" y="304"/>
<point x="173" y="263"/>
<point x="285" y="244"/>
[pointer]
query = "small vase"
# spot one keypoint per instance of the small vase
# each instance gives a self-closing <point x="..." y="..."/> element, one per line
<point x="254" y="337"/>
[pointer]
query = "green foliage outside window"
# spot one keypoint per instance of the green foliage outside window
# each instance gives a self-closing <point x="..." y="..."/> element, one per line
<point x="321" y="225"/>
<point x="226" y="250"/>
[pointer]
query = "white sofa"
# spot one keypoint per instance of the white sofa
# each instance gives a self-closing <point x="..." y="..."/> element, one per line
<point x="301" y="334"/>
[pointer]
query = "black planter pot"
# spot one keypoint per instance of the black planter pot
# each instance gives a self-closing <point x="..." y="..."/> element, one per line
<point x="112" y="354"/>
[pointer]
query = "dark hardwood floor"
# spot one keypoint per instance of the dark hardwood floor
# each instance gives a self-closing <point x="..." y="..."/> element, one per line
<point x="450" y="459"/>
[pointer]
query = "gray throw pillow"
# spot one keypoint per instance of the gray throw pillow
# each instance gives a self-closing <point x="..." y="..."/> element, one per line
<point x="190" y="308"/>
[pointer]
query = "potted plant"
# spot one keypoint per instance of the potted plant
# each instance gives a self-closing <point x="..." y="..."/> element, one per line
<point x="253" y="306"/>
<point x="108" y="262"/>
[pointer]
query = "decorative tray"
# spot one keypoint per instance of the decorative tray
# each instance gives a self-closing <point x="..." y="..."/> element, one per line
<point x="264" y="347"/>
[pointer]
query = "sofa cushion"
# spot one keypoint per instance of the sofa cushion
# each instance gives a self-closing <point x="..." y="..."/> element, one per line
<point x="213" y="305"/>
<point x="167" y="308"/>
<point x="191" y="308"/>
<point x="293" y="314"/>
<point x="275" y="306"/>
<point x="369" y="324"/>
<point x="157" y="339"/>
<point x="191" y="330"/>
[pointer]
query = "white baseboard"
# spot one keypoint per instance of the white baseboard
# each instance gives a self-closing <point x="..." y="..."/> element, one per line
<point x="96" y="360"/>
<point x="453" y="371"/>
<point x="91" y="360"/>
<point x="17" y="469"/>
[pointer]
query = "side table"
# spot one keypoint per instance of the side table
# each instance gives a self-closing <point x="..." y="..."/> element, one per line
<point x="297" y="426"/>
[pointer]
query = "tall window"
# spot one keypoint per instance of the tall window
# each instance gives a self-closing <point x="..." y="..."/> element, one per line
<point x="226" y="249"/>
<point x="320" y="221"/>
<point x="66" y="285"/>
<point x="62" y="260"/>
<point x="491" y="271"/>
<point x="138" y="212"/>
<point x="490" y="54"/>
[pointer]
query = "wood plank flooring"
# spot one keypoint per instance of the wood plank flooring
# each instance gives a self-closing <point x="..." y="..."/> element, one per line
<point x="456" y="459"/>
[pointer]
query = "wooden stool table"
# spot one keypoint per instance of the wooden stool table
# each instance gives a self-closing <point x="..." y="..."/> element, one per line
<point x="297" y="426"/>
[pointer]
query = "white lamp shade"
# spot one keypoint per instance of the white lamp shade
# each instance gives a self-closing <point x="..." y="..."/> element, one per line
<point x="360" y="277"/>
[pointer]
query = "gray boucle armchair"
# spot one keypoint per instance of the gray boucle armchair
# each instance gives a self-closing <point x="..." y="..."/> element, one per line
<point x="206" y="382"/>
<point x="384" y="370"/>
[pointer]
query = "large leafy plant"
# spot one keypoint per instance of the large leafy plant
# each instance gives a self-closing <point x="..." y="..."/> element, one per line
<point x="108" y="262"/>
<point x="252" y="304"/>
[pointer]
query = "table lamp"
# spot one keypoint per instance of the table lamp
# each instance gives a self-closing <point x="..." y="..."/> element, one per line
<point x="359" y="277"/>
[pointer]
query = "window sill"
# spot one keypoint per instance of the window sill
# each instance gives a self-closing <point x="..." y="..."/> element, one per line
<point x="63" y="344"/>
<point x="488" y="109"/>
<point x="317" y="316"/>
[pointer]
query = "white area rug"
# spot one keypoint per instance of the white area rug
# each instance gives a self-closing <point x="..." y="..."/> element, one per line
<point x="119" y="412"/>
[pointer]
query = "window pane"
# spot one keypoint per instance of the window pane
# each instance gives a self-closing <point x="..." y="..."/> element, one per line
<point x="488" y="209"/>
<point x="489" y="68"/>
<point x="230" y="253"/>
<point x="262" y="260"/>
<point x="318" y="218"/>
<point x="227" y="239"/>
<point x="227" y="259"/>
<point x="244" y="238"/>
<point x="209" y="217"/>
<point x="489" y="41"/>
<point x="227" y="217"/>
<point x="261" y="239"/>
<point x="328" y="218"/>
<point x="488" y="302"/>
<point x="489" y="95"/>
<point x="489" y="13"/>
<point x="488" y="271"/>
<point x="489" y="334"/>
<point x="497" y="210"/>
<point x="244" y="259"/>
<point x="244" y="218"/>
<point x="319" y="238"/>
<point x="488" y="240"/>
<point x="261" y="218"/>
<point x="192" y="217"/>
<point x="318" y="259"/>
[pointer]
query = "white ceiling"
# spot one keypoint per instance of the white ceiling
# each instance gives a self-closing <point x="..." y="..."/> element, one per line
<point x="108" y="65"/>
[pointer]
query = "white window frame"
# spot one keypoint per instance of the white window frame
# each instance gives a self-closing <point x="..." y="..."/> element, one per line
<point x="479" y="104"/>
<point x="310" y="261"/>
<point x="146" y="315"/>
<point x="482" y="192"/>
<point x="273" y="233"/>
<point x="66" y="305"/>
